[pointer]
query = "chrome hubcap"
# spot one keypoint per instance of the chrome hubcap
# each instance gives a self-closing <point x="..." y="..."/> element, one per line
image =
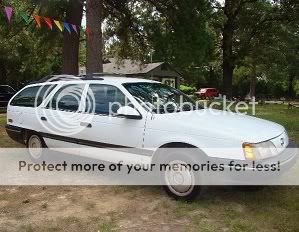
<point x="35" y="146"/>
<point x="179" y="179"/>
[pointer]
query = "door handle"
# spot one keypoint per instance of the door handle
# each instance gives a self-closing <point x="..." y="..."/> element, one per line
<point x="86" y="124"/>
<point x="43" y="118"/>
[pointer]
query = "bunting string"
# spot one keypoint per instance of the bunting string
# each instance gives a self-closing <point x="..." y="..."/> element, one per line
<point x="49" y="22"/>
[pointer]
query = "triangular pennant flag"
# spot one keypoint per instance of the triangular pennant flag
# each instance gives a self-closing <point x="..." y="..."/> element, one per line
<point x="88" y="32"/>
<point x="37" y="20"/>
<point x="58" y="25"/>
<point x="24" y="16"/>
<point x="67" y="27"/>
<point x="48" y="21"/>
<point x="75" y="28"/>
<point x="8" y="12"/>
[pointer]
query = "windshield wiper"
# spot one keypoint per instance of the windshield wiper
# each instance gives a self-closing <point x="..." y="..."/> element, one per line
<point x="169" y="109"/>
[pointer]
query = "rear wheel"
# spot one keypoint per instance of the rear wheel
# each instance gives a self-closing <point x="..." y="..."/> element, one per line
<point x="35" y="145"/>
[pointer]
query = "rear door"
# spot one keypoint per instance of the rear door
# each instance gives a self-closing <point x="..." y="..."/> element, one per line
<point x="60" y="117"/>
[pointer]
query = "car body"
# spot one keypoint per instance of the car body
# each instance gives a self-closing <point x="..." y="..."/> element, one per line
<point x="6" y="93"/>
<point x="146" y="129"/>
<point x="207" y="93"/>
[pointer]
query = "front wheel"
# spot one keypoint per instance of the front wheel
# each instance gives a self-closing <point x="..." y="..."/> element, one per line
<point x="181" y="182"/>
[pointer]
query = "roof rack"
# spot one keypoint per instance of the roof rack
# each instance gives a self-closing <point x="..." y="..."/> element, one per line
<point x="64" y="77"/>
<point x="96" y="75"/>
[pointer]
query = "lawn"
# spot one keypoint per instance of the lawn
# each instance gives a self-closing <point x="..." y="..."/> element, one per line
<point x="117" y="208"/>
<point x="289" y="118"/>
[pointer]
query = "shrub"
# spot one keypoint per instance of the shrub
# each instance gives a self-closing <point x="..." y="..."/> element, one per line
<point x="189" y="90"/>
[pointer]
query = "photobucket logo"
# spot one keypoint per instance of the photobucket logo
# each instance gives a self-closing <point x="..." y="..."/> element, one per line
<point x="222" y="106"/>
<point x="67" y="111"/>
<point x="226" y="106"/>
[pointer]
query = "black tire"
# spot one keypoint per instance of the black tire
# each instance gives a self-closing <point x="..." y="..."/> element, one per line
<point x="35" y="145"/>
<point x="181" y="192"/>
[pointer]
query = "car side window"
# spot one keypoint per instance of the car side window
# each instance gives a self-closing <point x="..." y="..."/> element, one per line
<point x="104" y="99"/>
<point x="67" y="98"/>
<point x="32" y="96"/>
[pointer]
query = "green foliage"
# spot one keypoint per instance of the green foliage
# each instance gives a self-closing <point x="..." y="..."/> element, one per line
<point x="173" y="31"/>
<point x="186" y="34"/>
<point x="265" y="47"/>
<point x="189" y="90"/>
<point x="28" y="53"/>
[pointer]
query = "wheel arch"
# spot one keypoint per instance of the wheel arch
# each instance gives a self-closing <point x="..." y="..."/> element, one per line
<point x="159" y="155"/>
<point x="27" y="133"/>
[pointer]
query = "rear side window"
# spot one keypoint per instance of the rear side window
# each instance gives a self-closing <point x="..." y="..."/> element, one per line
<point x="67" y="98"/>
<point x="32" y="96"/>
<point x="104" y="99"/>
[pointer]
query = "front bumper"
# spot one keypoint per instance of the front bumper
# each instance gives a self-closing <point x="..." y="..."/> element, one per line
<point x="286" y="159"/>
<point x="263" y="172"/>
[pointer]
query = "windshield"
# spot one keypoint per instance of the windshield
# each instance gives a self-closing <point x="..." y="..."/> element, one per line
<point x="160" y="98"/>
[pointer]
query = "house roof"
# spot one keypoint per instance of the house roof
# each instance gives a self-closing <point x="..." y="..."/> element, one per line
<point x="128" y="67"/>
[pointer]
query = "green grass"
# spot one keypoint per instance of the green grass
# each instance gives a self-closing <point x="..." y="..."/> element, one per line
<point x="2" y="119"/>
<point x="107" y="226"/>
<point x="289" y="118"/>
<point x="5" y="141"/>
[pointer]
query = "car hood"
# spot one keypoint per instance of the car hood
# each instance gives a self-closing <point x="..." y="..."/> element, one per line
<point x="223" y="125"/>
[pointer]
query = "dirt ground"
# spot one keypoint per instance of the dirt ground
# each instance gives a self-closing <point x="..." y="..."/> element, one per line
<point x="84" y="208"/>
<point x="117" y="208"/>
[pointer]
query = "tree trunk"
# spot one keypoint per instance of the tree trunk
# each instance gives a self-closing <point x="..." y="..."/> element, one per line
<point x="228" y="67"/>
<point x="291" y="91"/>
<point x="71" y="41"/>
<point x="252" y="86"/>
<point x="253" y="82"/>
<point x="94" y="44"/>
<point x="231" y="10"/>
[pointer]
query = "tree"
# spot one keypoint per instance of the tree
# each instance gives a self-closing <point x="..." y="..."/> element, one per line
<point x="231" y="10"/>
<point x="156" y="30"/>
<point x="94" y="43"/>
<point x="265" y="37"/>
<point x="27" y="53"/>
<point x="244" y="22"/>
<point x="71" y="42"/>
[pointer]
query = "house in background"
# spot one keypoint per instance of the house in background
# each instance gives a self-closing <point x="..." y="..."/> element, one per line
<point x="161" y="71"/>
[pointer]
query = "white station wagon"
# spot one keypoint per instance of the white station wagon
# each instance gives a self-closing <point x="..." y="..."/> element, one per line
<point x="119" y="112"/>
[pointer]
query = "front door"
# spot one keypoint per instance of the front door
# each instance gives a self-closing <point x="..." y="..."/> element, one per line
<point x="106" y="129"/>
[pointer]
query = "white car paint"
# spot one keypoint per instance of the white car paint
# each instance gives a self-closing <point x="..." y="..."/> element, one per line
<point x="204" y="129"/>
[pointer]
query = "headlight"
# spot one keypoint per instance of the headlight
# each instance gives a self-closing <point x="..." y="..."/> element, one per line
<point x="258" y="151"/>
